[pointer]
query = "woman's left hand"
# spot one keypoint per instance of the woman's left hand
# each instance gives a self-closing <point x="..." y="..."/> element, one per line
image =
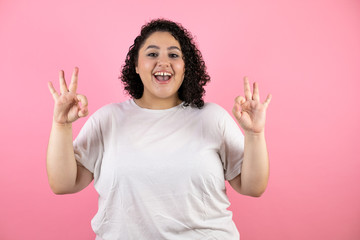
<point x="249" y="111"/>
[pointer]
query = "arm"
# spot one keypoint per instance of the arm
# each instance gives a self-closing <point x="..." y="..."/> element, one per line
<point x="253" y="179"/>
<point x="250" y="113"/>
<point x="64" y="174"/>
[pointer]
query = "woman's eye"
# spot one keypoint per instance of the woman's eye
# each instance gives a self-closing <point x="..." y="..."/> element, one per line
<point x="173" y="55"/>
<point x="152" y="54"/>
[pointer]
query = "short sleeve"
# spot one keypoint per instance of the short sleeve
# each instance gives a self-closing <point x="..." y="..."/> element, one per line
<point x="88" y="145"/>
<point x="232" y="147"/>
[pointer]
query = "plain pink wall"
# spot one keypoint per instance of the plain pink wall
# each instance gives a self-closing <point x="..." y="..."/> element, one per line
<point x="306" y="53"/>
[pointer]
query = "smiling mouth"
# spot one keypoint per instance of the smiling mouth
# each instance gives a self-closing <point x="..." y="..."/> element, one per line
<point x="162" y="76"/>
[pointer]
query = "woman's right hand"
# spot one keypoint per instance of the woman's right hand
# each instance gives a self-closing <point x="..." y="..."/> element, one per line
<point x="69" y="106"/>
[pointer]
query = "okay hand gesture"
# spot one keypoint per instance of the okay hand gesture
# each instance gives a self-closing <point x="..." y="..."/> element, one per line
<point x="249" y="111"/>
<point x="69" y="106"/>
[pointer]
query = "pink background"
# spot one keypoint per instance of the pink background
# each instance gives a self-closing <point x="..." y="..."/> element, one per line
<point x="306" y="53"/>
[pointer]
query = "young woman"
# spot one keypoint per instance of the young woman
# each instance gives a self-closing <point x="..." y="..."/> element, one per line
<point x="159" y="161"/>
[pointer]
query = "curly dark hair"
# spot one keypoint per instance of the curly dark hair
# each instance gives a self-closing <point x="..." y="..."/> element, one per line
<point x="195" y="78"/>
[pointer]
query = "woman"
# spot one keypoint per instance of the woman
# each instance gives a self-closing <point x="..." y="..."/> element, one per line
<point x="160" y="160"/>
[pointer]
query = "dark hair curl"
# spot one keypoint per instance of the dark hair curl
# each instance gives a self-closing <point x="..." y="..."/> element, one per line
<point x="195" y="78"/>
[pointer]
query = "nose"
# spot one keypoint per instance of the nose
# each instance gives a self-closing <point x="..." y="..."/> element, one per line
<point x="163" y="62"/>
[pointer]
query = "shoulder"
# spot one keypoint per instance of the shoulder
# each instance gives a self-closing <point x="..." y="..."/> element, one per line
<point x="214" y="109"/>
<point x="218" y="114"/>
<point x="109" y="111"/>
<point x="112" y="108"/>
<point x="210" y="106"/>
<point x="211" y="115"/>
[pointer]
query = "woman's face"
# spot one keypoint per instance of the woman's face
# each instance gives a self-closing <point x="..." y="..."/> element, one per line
<point x="161" y="68"/>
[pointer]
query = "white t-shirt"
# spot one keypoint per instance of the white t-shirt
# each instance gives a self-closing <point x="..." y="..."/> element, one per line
<point x="160" y="174"/>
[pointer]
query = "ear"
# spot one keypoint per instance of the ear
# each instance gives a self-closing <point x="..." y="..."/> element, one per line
<point x="136" y="69"/>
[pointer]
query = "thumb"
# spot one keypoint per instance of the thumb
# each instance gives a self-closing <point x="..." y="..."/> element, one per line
<point x="240" y="100"/>
<point x="237" y="111"/>
<point x="83" y="112"/>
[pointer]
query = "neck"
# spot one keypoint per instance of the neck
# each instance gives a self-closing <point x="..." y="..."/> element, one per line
<point x="158" y="104"/>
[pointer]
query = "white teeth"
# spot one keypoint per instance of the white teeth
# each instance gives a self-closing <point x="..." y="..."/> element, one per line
<point x="162" y="74"/>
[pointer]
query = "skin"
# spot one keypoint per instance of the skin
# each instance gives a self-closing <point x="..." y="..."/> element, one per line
<point x="251" y="115"/>
<point x="65" y="175"/>
<point x="161" y="52"/>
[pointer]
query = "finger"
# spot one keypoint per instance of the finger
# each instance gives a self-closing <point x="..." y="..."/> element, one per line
<point x="240" y="100"/>
<point x="83" y="112"/>
<point x="236" y="110"/>
<point x="63" y="86"/>
<point x="83" y="100"/>
<point x="84" y="103"/>
<point x="53" y="92"/>
<point x="74" y="80"/>
<point x="247" y="90"/>
<point x="256" y="95"/>
<point x="267" y="100"/>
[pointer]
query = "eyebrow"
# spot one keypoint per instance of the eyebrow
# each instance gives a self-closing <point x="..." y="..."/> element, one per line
<point x="169" y="48"/>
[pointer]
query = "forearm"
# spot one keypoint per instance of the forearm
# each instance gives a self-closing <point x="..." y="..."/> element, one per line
<point x="255" y="167"/>
<point x="61" y="163"/>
